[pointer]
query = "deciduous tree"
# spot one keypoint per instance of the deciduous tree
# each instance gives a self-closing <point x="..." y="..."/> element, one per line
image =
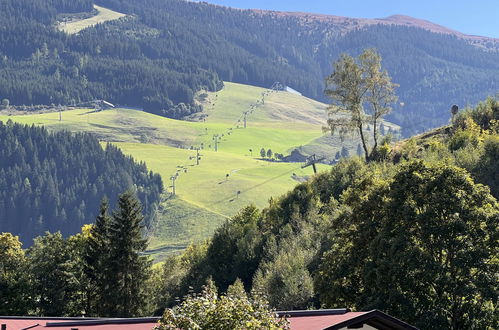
<point x="422" y="247"/>
<point x="13" y="280"/>
<point x="211" y="311"/>
<point x="53" y="266"/>
<point x="361" y="93"/>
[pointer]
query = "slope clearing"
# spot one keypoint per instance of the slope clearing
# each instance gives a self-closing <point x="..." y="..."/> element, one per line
<point x="103" y="15"/>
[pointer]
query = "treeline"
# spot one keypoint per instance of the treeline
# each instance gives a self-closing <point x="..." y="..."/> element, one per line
<point x="70" y="79"/>
<point x="43" y="10"/>
<point x="55" y="181"/>
<point x="160" y="55"/>
<point x="413" y="235"/>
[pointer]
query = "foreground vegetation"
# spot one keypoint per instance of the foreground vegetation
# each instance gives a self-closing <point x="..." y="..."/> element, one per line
<point x="413" y="234"/>
<point x="233" y="310"/>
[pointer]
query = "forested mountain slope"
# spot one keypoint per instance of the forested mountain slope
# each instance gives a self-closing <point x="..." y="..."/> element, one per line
<point x="55" y="181"/>
<point x="164" y="51"/>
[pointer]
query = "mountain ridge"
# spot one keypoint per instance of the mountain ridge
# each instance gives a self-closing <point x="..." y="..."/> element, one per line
<point x="171" y="49"/>
<point x="352" y="23"/>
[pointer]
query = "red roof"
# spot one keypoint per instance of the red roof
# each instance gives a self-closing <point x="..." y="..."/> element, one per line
<point x="20" y="323"/>
<point x="330" y="319"/>
<point x="334" y="319"/>
<point x="320" y="321"/>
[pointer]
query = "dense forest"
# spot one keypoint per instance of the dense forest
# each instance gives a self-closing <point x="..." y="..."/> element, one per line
<point x="55" y="181"/>
<point x="40" y="65"/>
<point x="160" y="55"/>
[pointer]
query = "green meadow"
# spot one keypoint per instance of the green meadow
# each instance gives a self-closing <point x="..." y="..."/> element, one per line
<point x="225" y="180"/>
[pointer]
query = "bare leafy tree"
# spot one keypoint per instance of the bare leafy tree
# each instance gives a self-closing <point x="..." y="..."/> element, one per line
<point x="361" y="94"/>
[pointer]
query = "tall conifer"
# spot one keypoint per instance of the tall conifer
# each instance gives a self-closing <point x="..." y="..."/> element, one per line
<point x="97" y="255"/>
<point x="127" y="270"/>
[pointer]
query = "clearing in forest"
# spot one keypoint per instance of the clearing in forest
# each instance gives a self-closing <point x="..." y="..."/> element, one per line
<point x="103" y="15"/>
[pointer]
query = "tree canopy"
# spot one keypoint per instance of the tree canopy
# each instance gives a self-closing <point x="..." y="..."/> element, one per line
<point x="420" y="246"/>
<point x="210" y="311"/>
<point x="362" y="95"/>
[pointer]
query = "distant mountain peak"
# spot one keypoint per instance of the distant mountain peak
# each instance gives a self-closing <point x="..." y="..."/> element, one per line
<point x="350" y="23"/>
<point x="427" y="25"/>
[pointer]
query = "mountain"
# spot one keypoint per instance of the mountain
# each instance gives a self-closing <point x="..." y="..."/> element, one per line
<point x="164" y="51"/>
<point x="348" y="24"/>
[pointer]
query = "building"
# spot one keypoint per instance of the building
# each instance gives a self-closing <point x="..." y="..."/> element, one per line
<point x="75" y="323"/>
<point x="330" y="319"/>
<point x="343" y="319"/>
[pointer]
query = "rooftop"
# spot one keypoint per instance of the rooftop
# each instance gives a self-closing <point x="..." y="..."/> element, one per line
<point x="322" y="319"/>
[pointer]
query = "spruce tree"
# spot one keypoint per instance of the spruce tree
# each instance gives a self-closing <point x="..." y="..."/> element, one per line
<point x="127" y="270"/>
<point x="97" y="256"/>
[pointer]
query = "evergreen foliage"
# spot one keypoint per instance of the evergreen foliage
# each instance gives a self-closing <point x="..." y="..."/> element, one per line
<point x="165" y="51"/>
<point x="127" y="270"/>
<point x="54" y="181"/>
<point x="96" y="258"/>
<point x="98" y="272"/>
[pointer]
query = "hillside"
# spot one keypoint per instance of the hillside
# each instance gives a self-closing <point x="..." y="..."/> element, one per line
<point x="424" y="218"/>
<point x="205" y="196"/>
<point x="348" y="24"/>
<point x="154" y="45"/>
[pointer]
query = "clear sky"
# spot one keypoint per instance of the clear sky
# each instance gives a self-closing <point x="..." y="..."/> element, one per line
<point x="478" y="17"/>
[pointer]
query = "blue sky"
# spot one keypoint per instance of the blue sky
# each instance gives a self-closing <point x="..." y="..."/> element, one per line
<point x="479" y="17"/>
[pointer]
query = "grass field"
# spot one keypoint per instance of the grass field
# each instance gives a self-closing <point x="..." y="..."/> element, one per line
<point x="103" y="15"/>
<point x="205" y="195"/>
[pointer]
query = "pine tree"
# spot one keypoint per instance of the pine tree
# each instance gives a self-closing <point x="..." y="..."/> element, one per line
<point x="97" y="254"/>
<point x="128" y="269"/>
